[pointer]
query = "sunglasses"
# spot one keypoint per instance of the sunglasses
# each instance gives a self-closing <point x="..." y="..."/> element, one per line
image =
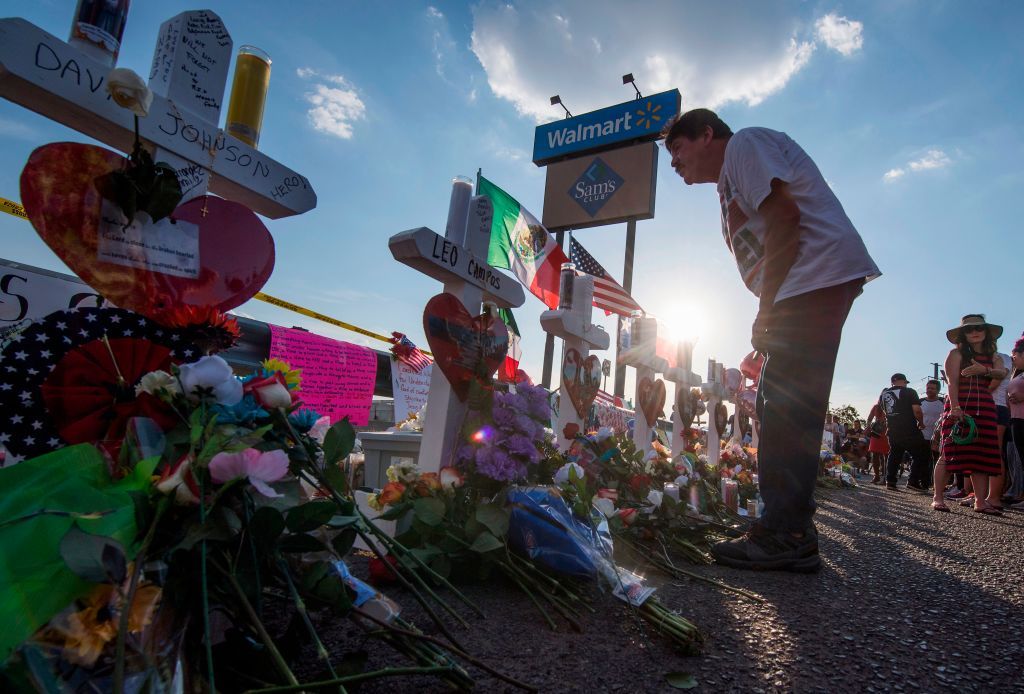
<point x="975" y="329"/>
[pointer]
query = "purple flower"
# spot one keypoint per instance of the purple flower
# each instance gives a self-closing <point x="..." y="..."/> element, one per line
<point x="522" y="447"/>
<point x="504" y="417"/>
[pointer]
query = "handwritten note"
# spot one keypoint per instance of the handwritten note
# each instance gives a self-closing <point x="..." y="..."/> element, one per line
<point x="337" y="377"/>
<point x="172" y="249"/>
<point x="410" y="388"/>
<point x="190" y="64"/>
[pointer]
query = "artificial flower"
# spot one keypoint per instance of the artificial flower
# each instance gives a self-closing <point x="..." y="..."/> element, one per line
<point x="391" y="493"/>
<point x="156" y="381"/>
<point x="318" y="432"/>
<point x="304" y="419"/>
<point x="204" y="326"/>
<point x="210" y="375"/>
<point x="451" y="477"/>
<point x="260" y="468"/>
<point x="292" y="377"/>
<point x="605" y="506"/>
<point x="179" y="480"/>
<point x="245" y="412"/>
<point x="129" y="91"/>
<point x="562" y="475"/>
<point x="270" y="391"/>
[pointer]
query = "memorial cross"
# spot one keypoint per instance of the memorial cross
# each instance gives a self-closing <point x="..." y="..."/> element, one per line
<point x="187" y="78"/>
<point x="641" y="355"/>
<point x="714" y="391"/>
<point x="459" y="260"/>
<point x="571" y="322"/>
<point x="684" y="379"/>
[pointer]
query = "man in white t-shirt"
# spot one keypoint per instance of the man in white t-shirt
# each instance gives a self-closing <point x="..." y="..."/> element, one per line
<point x="799" y="253"/>
<point x="931" y="410"/>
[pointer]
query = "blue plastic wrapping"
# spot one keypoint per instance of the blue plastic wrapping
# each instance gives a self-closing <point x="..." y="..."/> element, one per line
<point x="542" y="527"/>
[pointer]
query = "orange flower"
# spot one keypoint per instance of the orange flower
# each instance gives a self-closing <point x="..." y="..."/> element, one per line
<point x="428" y="483"/>
<point x="392" y="493"/>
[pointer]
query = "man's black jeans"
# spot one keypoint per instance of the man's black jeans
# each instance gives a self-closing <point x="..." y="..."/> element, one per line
<point x="921" y="457"/>
<point x="792" y="400"/>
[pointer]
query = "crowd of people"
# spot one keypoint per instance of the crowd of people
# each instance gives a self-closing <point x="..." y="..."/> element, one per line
<point x="974" y="432"/>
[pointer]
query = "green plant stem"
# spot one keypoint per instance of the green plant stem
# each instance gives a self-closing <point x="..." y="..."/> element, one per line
<point x="204" y="586"/>
<point x="457" y="651"/>
<point x="129" y="598"/>
<point x="92" y="515"/>
<point x="511" y="574"/>
<point x="300" y="605"/>
<point x="275" y="654"/>
<point x="352" y="679"/>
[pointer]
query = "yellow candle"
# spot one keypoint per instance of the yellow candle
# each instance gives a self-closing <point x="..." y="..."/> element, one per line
<point x="248" y="95"/>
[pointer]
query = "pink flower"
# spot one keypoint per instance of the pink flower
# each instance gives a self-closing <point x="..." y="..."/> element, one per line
<point x="259" y="468"/>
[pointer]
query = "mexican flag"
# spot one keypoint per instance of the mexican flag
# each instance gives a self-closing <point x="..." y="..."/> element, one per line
<point x="520" y="243"/>
<point x="507" y="371"/>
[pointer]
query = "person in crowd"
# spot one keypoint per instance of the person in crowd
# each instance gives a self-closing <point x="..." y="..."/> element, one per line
<point x="970" y="441"/>
<point x="878" y="444"/>
<point x="902" y="407"/>
<point x="931" y="409"/>
<point x="856" y="438"/>
<point x="1015" y="401"/>
<point x="998" y="388"/>
<point x="800" y="254"/>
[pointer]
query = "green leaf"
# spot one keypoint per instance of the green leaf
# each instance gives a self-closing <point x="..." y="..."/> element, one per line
<point x="323" y="582"/>
<point x="473" y="528"/>
<point x="485" y="542"/>
<point x="266" y="526"/>
<point x="395" y="512"/>
<point x="681" y="680"/>
<point x="335" y="477"/>
<point x="310" y="516"/>
<point x="343" y="541"/>
<point x="441" y="565"/>
<point x="93" y="558"/>
<point x="164" y="192"/>
<point x="494" y="517"/>
<point x="429" y="510"/>
<point x="339" y="442"/>
<point x="300" y="543"/>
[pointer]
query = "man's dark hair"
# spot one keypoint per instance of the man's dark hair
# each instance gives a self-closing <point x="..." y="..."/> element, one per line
<point x="691" y="125"/>
<point x="937" y="383"/>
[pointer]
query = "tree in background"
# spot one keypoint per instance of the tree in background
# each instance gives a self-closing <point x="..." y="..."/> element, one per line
<point x="847" y="414"/>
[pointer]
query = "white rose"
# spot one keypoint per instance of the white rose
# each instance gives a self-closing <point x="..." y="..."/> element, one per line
<point x="214" y="373"/>
<point x="274" y="395"/>
<point x="129" y="91"/>
<point x="155" y="381"/>
<point x="604" y="433"/>
<point x="562" y="475"/>
<point x="654" y="498"/>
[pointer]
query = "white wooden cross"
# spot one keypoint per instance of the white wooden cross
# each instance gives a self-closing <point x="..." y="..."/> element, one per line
<point x="641" y="355"/>
<point x="571" y="322"/>
<point x="190" y="65"/>
<point x="684" y="378"/>
<point x="714" y="391"/>
<point x="459" y="260"/>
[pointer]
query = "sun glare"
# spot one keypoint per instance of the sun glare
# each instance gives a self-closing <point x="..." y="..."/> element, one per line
<point x="685" y="322"/>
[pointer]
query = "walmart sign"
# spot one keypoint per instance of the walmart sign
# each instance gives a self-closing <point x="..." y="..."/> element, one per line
<point x="637" y="120"/>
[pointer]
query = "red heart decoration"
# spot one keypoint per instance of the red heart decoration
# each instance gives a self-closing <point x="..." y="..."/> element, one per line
<point x="651" y="395"/>
<point x="236" y="252"/>
<point x="582" y="379"/>
<point x="686" y="406"/>
<point x="465" y="347"/>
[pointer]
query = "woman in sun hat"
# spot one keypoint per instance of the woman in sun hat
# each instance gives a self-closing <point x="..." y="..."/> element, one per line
<point x="974" y="450"/>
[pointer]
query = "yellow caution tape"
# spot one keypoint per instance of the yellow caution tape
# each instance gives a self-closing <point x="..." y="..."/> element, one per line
<point x="12" y="208"/>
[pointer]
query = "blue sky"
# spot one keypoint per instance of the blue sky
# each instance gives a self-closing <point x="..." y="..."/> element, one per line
<point x="911" y="109"/>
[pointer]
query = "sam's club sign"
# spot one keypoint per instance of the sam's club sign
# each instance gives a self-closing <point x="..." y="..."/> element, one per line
<point x="637" y="120"/>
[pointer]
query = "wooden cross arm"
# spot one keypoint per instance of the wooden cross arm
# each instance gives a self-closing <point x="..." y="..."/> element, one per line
<point x="48" y="76"/>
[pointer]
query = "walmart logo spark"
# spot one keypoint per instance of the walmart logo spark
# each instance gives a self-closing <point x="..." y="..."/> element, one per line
<point x="648" y="117"/>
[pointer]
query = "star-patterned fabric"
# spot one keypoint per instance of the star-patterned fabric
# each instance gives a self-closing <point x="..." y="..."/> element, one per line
<point x="28" y="357"/>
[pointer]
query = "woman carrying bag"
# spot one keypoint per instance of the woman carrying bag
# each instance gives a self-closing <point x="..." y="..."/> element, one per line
<point x="970" y="441"/>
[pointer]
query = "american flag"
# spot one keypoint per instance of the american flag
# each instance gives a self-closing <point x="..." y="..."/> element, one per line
<point x="604" y="398"/>
<point x="406" y="351"/>
<point x="608" y="294"/>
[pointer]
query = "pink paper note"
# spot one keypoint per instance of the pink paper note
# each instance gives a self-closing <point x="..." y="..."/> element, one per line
<point x="337" y="377"/>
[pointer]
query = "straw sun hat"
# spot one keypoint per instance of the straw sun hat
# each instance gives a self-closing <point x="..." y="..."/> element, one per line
<point x="994" y="331"/>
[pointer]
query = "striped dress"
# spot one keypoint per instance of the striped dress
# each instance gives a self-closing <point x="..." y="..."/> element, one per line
<point x="982" y="454"/>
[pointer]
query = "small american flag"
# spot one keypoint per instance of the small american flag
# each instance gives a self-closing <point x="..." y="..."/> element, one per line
<point x="604" y="398"/>
<point x="608" y="294"/>
<point x="406" y="351"/>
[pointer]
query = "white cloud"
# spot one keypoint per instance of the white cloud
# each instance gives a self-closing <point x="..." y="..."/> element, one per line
<point x="842" y="35"/>
<point x="931" y="160"/>
<point x="16" y="130"/>
<point x="332" y="109"/>
<point x="715" y="53"/>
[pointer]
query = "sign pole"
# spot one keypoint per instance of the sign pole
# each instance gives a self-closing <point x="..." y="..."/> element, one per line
<point x="627" y="284"/>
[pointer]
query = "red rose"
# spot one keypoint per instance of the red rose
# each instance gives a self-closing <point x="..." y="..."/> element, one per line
<point x="381" y="572"/>
<point x="639" y="483"/>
